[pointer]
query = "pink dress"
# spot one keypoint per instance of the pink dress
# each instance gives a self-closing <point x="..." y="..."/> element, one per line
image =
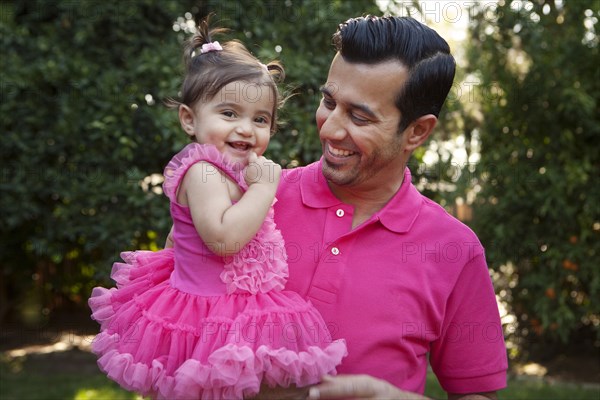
<point x="184" y="323"/>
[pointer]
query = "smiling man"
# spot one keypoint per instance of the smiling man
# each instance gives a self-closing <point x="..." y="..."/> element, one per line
<point x="391" y="272"/>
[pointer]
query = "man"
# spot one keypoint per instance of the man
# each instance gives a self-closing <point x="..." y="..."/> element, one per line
<point x="390" y="271"/>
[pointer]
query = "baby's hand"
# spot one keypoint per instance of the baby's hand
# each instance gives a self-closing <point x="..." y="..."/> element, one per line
<point x="261" y="170"/>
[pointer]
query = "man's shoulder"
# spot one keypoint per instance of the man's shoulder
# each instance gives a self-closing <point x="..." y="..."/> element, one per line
<point x="444" y="221"/>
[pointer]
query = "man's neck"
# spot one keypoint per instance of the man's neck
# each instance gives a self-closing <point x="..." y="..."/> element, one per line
<point x="366" y="200"/>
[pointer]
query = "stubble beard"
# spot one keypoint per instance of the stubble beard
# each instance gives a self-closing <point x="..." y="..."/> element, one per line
<point x="334" y="174"/>
<point x="382" y="158"/>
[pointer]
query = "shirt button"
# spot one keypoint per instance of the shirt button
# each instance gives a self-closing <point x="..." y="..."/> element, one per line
<point x="335" y="251"/>
<point x="339" y="213"/>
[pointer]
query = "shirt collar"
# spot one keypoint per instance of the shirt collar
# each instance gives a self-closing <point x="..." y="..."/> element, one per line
<point x="398" y="215"/>
<point x="314" y="188"/>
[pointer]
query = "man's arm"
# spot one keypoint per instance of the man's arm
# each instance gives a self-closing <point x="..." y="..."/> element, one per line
<point x="169" y="241"/>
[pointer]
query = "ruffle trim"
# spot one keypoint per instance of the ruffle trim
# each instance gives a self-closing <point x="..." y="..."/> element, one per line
<point x="261" y="265"/>
<point x="192" y="154"/>
<point x="231" y="372"/>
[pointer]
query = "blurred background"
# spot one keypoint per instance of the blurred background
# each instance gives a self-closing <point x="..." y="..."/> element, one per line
<point x="86" y="135"/>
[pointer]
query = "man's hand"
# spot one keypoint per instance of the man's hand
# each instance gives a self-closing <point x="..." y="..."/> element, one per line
<point x="473" y="396"/>
<point x="279" y="393"/>
<point x="353" y="387"/>
<point x="358" y="387"/>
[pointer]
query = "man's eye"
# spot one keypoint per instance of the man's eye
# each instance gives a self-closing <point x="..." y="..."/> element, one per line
<point x="328" y="103"/>
<point x="358" y="119"/>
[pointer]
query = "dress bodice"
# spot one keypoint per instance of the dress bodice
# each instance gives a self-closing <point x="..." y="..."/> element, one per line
<point x="259" y="266"/>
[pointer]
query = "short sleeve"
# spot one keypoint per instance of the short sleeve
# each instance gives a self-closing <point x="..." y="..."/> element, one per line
<point x="470" y="356"/>
<point x="190" y="155"/>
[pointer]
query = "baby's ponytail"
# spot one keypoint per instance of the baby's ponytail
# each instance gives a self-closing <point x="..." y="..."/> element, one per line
<point x="204" y="35"/>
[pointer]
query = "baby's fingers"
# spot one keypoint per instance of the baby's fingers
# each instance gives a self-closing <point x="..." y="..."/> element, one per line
<point x="252" y="157"/>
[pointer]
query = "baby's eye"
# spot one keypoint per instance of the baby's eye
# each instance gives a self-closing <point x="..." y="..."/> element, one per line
<point x="262" y="120"/>
<point x="228" y="113"/>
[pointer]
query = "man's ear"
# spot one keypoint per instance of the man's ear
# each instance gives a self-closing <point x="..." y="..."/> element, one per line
<point x="186" y="119"/>
<point x="419" y="130"/>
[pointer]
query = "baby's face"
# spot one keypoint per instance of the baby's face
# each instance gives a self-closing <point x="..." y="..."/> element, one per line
<point x="237" y="120"/>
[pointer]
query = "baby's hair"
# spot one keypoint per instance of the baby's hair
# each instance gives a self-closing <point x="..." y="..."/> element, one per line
<point x="207" y="73"/>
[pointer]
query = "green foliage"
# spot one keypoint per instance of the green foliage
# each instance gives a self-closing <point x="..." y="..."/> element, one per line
<point x="86" y="136"/>
<point x="82" y="128"/>
<point x="538" y="212"/>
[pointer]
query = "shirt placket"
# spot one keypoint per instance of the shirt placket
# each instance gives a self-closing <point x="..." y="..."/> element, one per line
<point x="332" y="256"/>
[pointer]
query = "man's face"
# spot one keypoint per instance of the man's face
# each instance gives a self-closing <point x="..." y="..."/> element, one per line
<point x="358" y="123"/>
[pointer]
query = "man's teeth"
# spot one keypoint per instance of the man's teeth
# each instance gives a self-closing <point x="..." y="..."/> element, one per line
<point x="340" y="152"/>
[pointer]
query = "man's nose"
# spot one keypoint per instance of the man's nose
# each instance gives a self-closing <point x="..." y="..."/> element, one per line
<point x="334" y="126"/>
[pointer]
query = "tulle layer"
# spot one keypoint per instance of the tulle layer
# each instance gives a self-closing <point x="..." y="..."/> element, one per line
<point x="231" y="372"/>
<point x="165" y="343"/>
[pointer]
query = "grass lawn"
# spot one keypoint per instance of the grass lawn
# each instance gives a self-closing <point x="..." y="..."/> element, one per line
<point x="73" y="375"/>
<point x="66" y="375"/>
<point x="522" y="389"/>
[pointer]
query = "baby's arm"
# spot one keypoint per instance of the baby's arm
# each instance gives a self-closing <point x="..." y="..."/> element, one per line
<point x="223" y="226"/>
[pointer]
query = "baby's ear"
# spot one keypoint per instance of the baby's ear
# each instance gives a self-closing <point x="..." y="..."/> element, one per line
<point x="186" y="119"/>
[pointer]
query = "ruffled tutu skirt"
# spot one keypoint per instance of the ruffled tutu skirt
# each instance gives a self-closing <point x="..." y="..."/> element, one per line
<point x="165" y="343"/>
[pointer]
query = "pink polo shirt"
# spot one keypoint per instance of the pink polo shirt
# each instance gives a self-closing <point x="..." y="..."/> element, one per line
<point x="410" y="281"/>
